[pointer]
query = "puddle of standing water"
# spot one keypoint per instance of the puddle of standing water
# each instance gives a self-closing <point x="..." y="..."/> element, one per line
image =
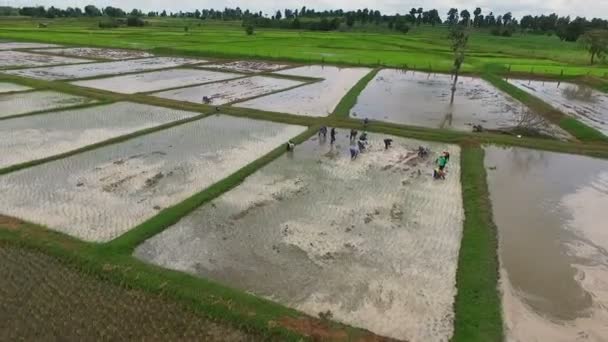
<point x="99" y="194"/>
<point x="6" y="87"/>
<point x="26" y="59"/>
<point x="374" y="241"/>
<point x="317" y="99"/>
<point x="422" y="99"/>
<point x="40" y="136"/>
<point x="17" y="104"/>
<point x="588" y="105"/>
<point x="114" y="54"/>
<point x="156" y="80"/>
<point x="103" y="68"/>
<point x="550" y="210"/>
<point x="18" y="45"/>
<point x="226" y="92"/>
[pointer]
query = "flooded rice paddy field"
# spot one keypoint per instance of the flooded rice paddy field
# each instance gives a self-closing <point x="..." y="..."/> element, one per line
<point x="40" y="136"/>
<point x="26" y="59"/>
<point x="101" y="53"/>
<point x="103" y="68"/>
<point x="156" y="80"/>
<point x="230" y="91"/>
<point x="588" y="105"/>
<point x="423" y="99"/>
<point x="248" y="66"/>
<point x="17" y="104"/>
<point x="18" y="45"/>
<point x="317" y="99"/>
<point x="550" y="210"/>
<point x="374" y="241"/>
<point x="40" y="296"/>
<point x="100" y="194"/>
<point x="6" y="87"/>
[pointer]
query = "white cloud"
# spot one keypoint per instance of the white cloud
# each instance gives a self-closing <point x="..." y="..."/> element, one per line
<point x="588" y="8"/>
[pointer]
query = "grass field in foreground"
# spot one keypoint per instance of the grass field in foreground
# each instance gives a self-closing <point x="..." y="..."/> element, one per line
<point x="425" y="47"/>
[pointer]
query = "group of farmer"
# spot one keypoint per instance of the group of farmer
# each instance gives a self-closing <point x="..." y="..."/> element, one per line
<point x="359" y="144"/>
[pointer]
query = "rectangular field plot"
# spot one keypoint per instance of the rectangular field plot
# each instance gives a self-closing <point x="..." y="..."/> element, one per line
<point x="247" y="66"/>
<point x="17" y="104"/>
<point x="374" y="241"/>
<point x="101" y="53"/>
<point x="6" y="87"/>
<point x="40" y="136"/>
<point x="26" y="59"/>
<point x="157" y="80"/>
<point x="230" y="91"/>
<point x="18" y="45"/>
<point x="101" y="194"/>
<point x="581" y="102"/>
<point x="317" y="99"/>
<point x="103" y="68"/>
<point x="421" y="99"/>
<point x="550" y="211"/>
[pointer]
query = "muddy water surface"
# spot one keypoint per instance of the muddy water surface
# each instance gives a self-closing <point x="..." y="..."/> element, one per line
<point x="16" y="104"/>
<point x="317" y="99"/>
<point x="247" y="66"/>
<point x="422" y="99"/>
<point x="19" y="45"/>
<point x="588" y="105"/>
<point x="373" y="241"/>
<point x="230" y="91"/>
<point x="156" y="80"/>
<point x="87" y="52"/>
<point x="6" y="87"/>
<point x="100" y="194"/>
<point x="550" y="210"/>
<point x="26" y="59"/>
<point x="40" y="136"/>
<point x="103" y="68"/>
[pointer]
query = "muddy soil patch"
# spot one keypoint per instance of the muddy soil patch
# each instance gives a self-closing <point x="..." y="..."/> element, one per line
<point x="550" y="210"/>
<point x="100" y="194"/>
<point x="368" y="245"/>
<point x="247" y="66"/>
<point x="101" y="53"/>
<point x="229" y="91"/>
<point x="103" y="68"/>
<point x="19" y="45"/>
<point x="40" y="136"/>
<point x="17" y="104"/>
<point x="26" y="59"/>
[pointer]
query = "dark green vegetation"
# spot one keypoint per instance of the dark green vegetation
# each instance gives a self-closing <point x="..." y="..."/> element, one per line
<point x="477" y="305"/>
<point x="40" y="296"/>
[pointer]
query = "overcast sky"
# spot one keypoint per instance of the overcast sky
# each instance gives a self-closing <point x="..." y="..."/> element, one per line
<point x="588" y="8"/>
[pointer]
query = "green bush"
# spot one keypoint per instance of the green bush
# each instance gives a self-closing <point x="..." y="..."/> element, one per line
<point x="250" y="30"/>
<point x="135" y="22"/>
<point x="107" y="24"/>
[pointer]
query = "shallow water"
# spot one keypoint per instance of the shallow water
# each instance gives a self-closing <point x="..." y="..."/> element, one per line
<point x="87" y="52"/>
<point x="18" y="45"/>
<point x="550" y="209"/>
<point x="230" y="91"/>
<point x="101" y="194"/>
<point x="103" y="68"/>
<point x="247" y="66"/>
<point x="6" y="87"/>
<point x="422" y="99"/>
<point x="156" y="80"/>
<point x="26" y="59"/>
<point x="16" y="104"/>
<point x="317" y="99"/>
<point x="40" y="136"/>
<point x="375" y="241"/>
<point x="581" y="102"/>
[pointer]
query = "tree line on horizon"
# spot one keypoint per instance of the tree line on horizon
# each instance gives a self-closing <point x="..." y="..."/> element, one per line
<point x="328" y="20"/>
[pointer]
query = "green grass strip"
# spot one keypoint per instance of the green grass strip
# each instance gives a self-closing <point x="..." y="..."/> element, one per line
<point x="350" y="99"/>
<point x="578" y="129"/>
<point x="477" y="307"/>
<point x="126" y="243"/>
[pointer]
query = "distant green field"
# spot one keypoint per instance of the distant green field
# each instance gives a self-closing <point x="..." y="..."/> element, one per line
<point x="424" y="48"/>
